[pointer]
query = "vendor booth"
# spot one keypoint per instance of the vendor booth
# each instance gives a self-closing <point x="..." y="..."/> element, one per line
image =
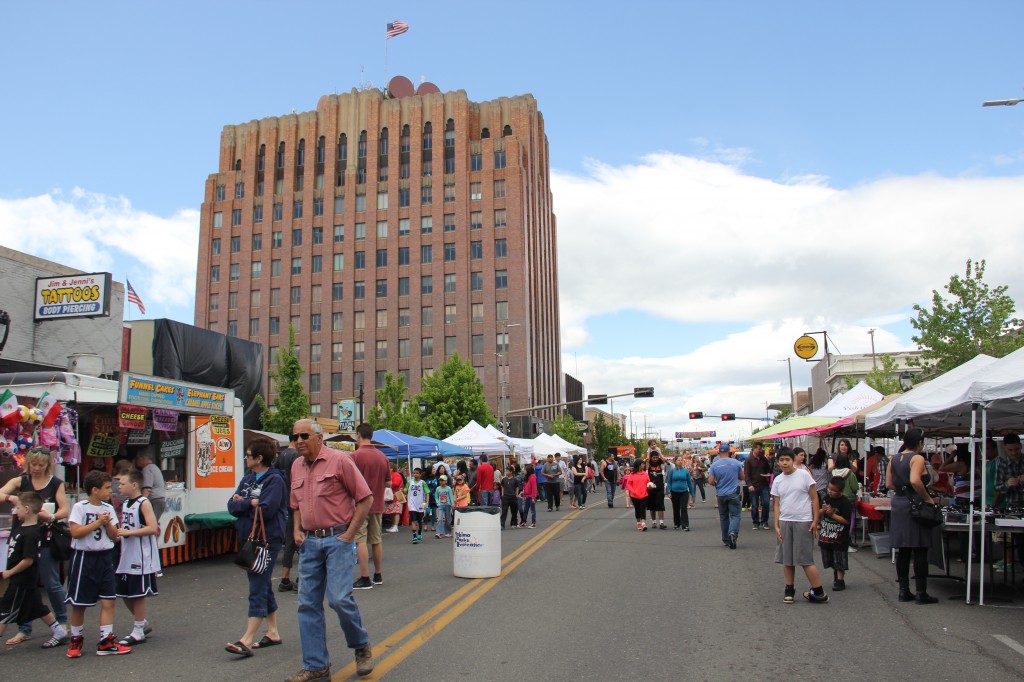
<point x="194" y="431"/>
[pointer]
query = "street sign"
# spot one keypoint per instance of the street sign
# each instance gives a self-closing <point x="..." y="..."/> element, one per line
<point x="805" y="347"/>
<point x="598" y="399"/>
<point x="643" y="392"/>
<point x="582" y="427"/>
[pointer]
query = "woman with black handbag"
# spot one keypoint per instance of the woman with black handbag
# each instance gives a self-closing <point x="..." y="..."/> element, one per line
<point x="262" y="489"/>
<point x="910" y="537"/>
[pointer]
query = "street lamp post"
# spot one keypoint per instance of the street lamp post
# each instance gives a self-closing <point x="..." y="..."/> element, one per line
<point x="874" y="362"/>
<point x="792" y="396"/>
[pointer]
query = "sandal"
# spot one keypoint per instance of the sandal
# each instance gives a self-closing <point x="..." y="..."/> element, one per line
<point x="131" y="640"/>
<point x="55" y="642"/>
<point x="265" y="642"/>
<point x="238" y="649"/>
<point x="18" y="639"/>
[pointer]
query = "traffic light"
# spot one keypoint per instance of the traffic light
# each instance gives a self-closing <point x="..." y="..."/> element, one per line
<point x="598" y="399"/>
<point x="728" y="417"/>
<point x="696" y="415"/>
<point x="643" y="392"/>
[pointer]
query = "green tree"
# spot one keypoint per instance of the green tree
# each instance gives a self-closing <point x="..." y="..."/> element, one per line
<point x="564" y="426"/>
<point x="787" y="412"/>
<point x="453" y="395"/>
<point x="885" y="376"/>
<point x="977" y="319"/>
<point x="292" y="401"/>
<point x="393" y="411"/>
<point x="606" y="434"/>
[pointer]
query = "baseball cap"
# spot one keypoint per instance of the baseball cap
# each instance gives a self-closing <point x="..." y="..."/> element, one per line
<point x="443" y="477"/>
<point x="724" y="447"/>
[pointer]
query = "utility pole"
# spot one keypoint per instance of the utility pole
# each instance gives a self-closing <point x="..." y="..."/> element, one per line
<point x="792" y="396"/>
<point x="874" y="362"/>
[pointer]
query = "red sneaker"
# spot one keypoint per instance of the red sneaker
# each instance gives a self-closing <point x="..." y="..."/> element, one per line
<point x="75" y="647"/>
<point x="109" y="646"/>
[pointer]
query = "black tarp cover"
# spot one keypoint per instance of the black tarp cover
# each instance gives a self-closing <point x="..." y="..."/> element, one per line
<point x="188" y="353"/>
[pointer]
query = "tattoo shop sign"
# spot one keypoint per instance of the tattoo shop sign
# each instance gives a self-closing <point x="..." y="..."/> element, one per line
<point x="86" y="295"/>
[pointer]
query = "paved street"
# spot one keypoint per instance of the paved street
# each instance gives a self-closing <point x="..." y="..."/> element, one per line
<point x="584" y="596"/>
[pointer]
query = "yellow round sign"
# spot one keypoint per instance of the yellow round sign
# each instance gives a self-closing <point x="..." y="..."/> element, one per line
<point x="805" y="347"/>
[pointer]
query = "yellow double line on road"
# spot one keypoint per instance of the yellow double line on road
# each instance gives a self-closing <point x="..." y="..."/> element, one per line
<point x="419" y="631"/>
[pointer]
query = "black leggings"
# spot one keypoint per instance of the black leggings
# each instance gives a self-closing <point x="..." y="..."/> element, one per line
<point x="680" y="515"/>
<point x="639" y="508"/>
<point x="920" y="557"/>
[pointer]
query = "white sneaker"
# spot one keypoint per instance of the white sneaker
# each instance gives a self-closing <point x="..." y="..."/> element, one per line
<point x="392" y="529"/>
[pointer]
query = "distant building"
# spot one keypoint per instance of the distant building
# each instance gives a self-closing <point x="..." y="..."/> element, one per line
<point x="828" y="376"/>
<point x="574" y="391"/>
<point x="390" y="232"/>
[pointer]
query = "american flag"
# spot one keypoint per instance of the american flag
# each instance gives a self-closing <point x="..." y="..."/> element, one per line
<point x="134" y="297"/>
<point x="396" y="28"/>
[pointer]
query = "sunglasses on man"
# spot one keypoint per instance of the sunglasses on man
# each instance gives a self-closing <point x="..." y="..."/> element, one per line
<point x="301" y="436"/>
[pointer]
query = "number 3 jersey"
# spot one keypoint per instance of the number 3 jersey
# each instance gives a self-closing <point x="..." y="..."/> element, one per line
<point x="84" y="513"/>
<point x="139" y="553"/>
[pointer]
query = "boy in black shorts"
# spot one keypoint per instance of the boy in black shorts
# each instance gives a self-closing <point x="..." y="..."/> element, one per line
<point x="91" y="577"/>
<point x="21" y="602"/>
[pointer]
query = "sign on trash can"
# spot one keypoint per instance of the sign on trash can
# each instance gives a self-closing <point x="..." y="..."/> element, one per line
<point x="477" y="532"/>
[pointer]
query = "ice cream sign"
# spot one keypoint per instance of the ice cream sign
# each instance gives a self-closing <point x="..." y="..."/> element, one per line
<point x="156" y="392"/>
<point x="85" y="295"/>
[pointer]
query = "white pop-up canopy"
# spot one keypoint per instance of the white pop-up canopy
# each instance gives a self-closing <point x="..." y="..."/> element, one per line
<point x="845" y="404"/>
<point x="998" y="388"/>
<point x="475" y="438"/>
<point x="519" y="446"/>
<point x="546" y="444"/>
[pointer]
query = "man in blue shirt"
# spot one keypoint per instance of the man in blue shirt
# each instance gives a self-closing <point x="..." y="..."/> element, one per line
<point x="725" y="474"/>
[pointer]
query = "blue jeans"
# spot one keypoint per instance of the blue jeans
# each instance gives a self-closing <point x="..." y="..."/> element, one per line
<point x="760" y="505"/>
<point x="261" y="588"/>
<point x="490" y="498"/>
<point x="444" y="519"/>
<point x="49" y="573"/>
<point x="325" y="566"/>
<point x="729" y="516"/>
<point x="609" y="488"/>
<point x="527" y="504"/>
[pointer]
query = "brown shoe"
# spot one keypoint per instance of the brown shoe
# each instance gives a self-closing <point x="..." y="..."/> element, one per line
<point x="306" y="675"/>
<point x="364" y="661"/>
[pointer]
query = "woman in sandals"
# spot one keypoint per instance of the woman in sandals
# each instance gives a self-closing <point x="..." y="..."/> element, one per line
<point x="262" y="488"/>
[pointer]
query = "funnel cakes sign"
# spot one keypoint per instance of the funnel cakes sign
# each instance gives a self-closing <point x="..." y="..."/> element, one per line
<point x="156" y="392"/>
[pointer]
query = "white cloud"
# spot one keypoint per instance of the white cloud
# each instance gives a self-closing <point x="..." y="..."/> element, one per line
<point x="92" y="231"/>
<point x="694" y="240"/>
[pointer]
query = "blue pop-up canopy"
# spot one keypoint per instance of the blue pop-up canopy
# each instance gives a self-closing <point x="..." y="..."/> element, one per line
<point x="446" y="448"/>
<point x="404" y="445"/>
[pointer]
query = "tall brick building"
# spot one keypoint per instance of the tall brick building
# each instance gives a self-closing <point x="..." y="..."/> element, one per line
<point x="391" y="232"/>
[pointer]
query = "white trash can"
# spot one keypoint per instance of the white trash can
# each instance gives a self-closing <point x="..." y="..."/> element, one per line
<point x="477" y="532"/>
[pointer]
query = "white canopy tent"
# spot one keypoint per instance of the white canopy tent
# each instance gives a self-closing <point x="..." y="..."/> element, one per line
<point x="547" y="444"/>
<point x="477" y="440"/>
<point x="518" y="446"/>
<point x="845" y="404"/>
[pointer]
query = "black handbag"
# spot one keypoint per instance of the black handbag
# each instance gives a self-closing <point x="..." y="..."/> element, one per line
<point x="254" y="555"/>
<point x="59" y="537"/>
<point x="928" y="515"/>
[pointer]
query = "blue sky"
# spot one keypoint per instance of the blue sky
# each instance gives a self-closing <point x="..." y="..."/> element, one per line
<point x="793" y="142"/>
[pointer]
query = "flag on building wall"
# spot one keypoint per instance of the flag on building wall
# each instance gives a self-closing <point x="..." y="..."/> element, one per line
<point x="10" y="415"/>
<point x="396" y="28"/>
<point x="134" y="297"/>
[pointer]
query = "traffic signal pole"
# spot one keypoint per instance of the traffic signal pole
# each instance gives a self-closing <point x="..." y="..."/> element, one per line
<point x="596" y="400"/>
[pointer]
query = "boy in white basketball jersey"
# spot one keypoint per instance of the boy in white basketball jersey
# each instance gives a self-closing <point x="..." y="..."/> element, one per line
<point x="91" y="576"/>
<point x="140" y="558"/>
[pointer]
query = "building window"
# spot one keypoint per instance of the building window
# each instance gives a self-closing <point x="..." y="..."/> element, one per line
<point x="475" y="191"/>
<point x="360" y="203"/>
<point x="218" y="219"/>
<point x="314" y="322"/>
<point x="220" y="192"/>
<point x="336" y="352"/>
<point x="449" y="252"/>
<point x="254" y="326"/>
<point x="403" y="317"/>
<point x="501" y="342"/>
<point x="296" y="266"/>
<point x="254" y="298"/>
<point x="382" y="200"/>
<point x="296" y="295"/>
<point x="426" y="346"/>
<point x="236" y="216"/>
<point x="449" y="346"/>
<point x="478" y="344"/>
<point x="339" y="205"/>
<point x="382" y="319"/>
<point x="318" y="207"/>
<point x="318" y="235"/>
<point x="506" y="131"/>
<point x="336" y="378"/>
<point x="339" y="262"/>
<point x="449" y="165"/>
<point x="382" y="229"/>
<point x="275" y="296"/>
<point x="404" y="347"/>
<point x="275" y="240"/>
<point x="449" y="193"/>
<point x="318" y="263"/>
<point x="449" y="222"/>
<point x="233" y="300"/>
<point x="382" y="288"/>
<point x="476" y="220"/>
<point x="232" y="327"/>
<point x="275" y="328"/>
<point x="215" y="273"/>
<point x="360" y="232"/>
<point x="426" y="284"/>
<point x="297" y="209"/>
<point x="360" y="260"/>
<point x="476" y="162"/>
<point x="314" y="383"/>
<point x="257" y="241"/>
<point x="382" y="258"/>
<point x="359" y="292"/>
<point x="476" y="281"/>
<point x="477" y="312"/>
<point x="358" y="350"/>
<point x="403" y="286"/>
<point x="426" y="224"/>
<point x="278" y="212"/>
<point x="315" y="292"/>
<point x="314" y="352"/>
<point x="257" y="214"/>
<point x="236" y="244"/>
<point x="501" y="311"/>
<point x="499" y="158"/>
<point x="476" y="250"/>
<point x="500" y="248"/>
<point x="339" y="233"/>
<point x="501" y="279"/>
<point x="275" y="267"/>
<point x="426" y="315"/>
<point x="296" y="237"/>
<point x="403" y="197"/>
<point x="449" y="283"/>
<point x="403" y="255"/>
<point x="382" y="350"/>
<point x="337" y="291"/>
<point x="426" y="254"/>
<point x="426" y="195"/>
<point x="215" y="247"/>
<point x="214" y="302"/>
<point x="403" y="227"/>
<point x="499" y="218"/>
<point x="449" y="314"/>
<point x="357" y="379"/>
<point x="257" y="269"/>
<point x="337" y="322"/>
